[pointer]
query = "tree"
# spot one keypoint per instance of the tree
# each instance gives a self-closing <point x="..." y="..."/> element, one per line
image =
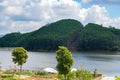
<point x="65" y="61"/>
<point x="19" y="56"/>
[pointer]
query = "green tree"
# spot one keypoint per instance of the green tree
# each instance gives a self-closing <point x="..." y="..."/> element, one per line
<point x="19" y="56"/>
<point x="65" y="61"/>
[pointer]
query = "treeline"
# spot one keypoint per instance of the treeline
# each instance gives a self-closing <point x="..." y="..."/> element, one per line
<point x="67" y="32"/>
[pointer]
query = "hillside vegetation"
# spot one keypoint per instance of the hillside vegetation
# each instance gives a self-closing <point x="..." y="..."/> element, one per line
<point x="67" y="32"/>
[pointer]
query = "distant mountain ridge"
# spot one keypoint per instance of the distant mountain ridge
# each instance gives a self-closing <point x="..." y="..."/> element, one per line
<point x="1" y="36"/>
<point x="67" y="32"/>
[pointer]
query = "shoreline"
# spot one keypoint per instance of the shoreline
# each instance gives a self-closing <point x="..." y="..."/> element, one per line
<point x="11" y="48"/>
<point x="103" y="77"/>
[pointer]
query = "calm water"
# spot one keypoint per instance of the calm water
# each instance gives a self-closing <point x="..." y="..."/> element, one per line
<point x="107" y="63"/>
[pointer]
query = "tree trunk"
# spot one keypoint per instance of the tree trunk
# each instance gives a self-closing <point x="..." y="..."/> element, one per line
<point x="65" y="77"/>
<point x="20" y="68"/>
<point x="20" y="71"/>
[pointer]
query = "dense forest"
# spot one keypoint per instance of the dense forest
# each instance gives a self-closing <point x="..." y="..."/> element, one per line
<point x="67" y="32"/>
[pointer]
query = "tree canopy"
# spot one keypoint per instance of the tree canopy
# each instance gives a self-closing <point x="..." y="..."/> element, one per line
<point x="65" y="60"/>
<point x="19" y="56"/>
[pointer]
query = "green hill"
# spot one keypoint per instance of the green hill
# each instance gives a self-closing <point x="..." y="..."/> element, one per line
<point x="10" y="40"/>
<point x="49" y="37"/>
<point x="97" y="37"/>
<point x="68" y="32"/>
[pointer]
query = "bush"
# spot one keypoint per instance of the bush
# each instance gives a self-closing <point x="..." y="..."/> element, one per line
<point x="84" y="75"/>
<point x="77" y="75"/>
<point x="95" y="73"/>
<point x="41" y="73"/>
<point x="7" y="72"/>
<point x="10" y="78"/>
<point x="6" y="75"/>
<point x="71" y="75"/>
<point x="18" y="73"/>
<point x="23" y="73"/>
<point x="60" y="76"/>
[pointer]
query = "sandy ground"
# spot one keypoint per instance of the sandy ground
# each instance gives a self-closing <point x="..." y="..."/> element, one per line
<point x="38" y="78"/>
<point x="108" y="78"/>
<point x="23" y="77"/>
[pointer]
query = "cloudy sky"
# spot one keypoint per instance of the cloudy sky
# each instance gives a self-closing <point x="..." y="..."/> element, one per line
<point x="29" y="15"/>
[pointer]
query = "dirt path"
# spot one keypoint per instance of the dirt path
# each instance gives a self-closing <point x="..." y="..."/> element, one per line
<point x="23" y="77"/>
<point x="108" y="78"/>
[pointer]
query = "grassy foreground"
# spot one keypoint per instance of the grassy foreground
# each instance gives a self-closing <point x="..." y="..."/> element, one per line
<point x="41" y="75"/>
<point x="27" y="75"/>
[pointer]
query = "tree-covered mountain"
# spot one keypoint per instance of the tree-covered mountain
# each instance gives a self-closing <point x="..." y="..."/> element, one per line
<point x="68" y="32"/>
<point x="1" y="36"/>
<point x="97" y="37"/>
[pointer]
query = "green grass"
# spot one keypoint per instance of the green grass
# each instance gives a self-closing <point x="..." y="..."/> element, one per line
<point x="19" y="73"/>
<point x="117" y="78"/>
<point x="8" y="77"/>
<point x="41" y="73"/>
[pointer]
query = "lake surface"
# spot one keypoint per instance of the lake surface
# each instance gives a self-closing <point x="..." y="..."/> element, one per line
<point x="107" y="63"/>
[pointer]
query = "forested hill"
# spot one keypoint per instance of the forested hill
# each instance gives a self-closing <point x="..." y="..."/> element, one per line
<point x="1" y="36"/>
<point x="68" y="32"/>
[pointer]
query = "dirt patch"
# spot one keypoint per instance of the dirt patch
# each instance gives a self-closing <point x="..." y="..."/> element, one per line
<point x="39" y="78"/>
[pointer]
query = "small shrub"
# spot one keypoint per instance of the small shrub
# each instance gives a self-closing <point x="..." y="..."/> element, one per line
<point x="41" y="73"/>
<point x="77" y="75"/>
<point x="6" y="75"/>
<point x="84" y="75"/>
<point x="10" y="78"/>
<point x="71" y="75"/>
<point x="8" y="72"/>
<point x="95" y="74"/>
<point x="23" y="73"/>
<point x="60" y="76"/>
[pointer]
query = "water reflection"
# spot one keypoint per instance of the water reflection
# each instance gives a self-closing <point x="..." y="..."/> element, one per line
<point x="102" y="56"/>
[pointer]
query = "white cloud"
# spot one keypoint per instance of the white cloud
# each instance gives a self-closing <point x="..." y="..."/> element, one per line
<point x="99" y="15"/>
<point x="25" y="27"/>
<point x="29" y="15"/>
<point x="12" y="10"/>
<point x="95" y="14"/>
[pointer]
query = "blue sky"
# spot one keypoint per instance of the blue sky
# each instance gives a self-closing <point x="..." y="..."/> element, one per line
<point x="112" y="6"/>
<point x="30" y="15"/>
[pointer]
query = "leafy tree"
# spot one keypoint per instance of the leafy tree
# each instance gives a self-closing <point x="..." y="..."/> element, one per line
<point x="19" y="56"/>
<point x="65" y="61"/>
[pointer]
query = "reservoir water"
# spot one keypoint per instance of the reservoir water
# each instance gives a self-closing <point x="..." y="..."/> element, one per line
<point x="107" y="63"/>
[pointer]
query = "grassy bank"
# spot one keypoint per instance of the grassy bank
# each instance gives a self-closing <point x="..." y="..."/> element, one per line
<point x="26" y="75"/>
<point x="41" y="75"/>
